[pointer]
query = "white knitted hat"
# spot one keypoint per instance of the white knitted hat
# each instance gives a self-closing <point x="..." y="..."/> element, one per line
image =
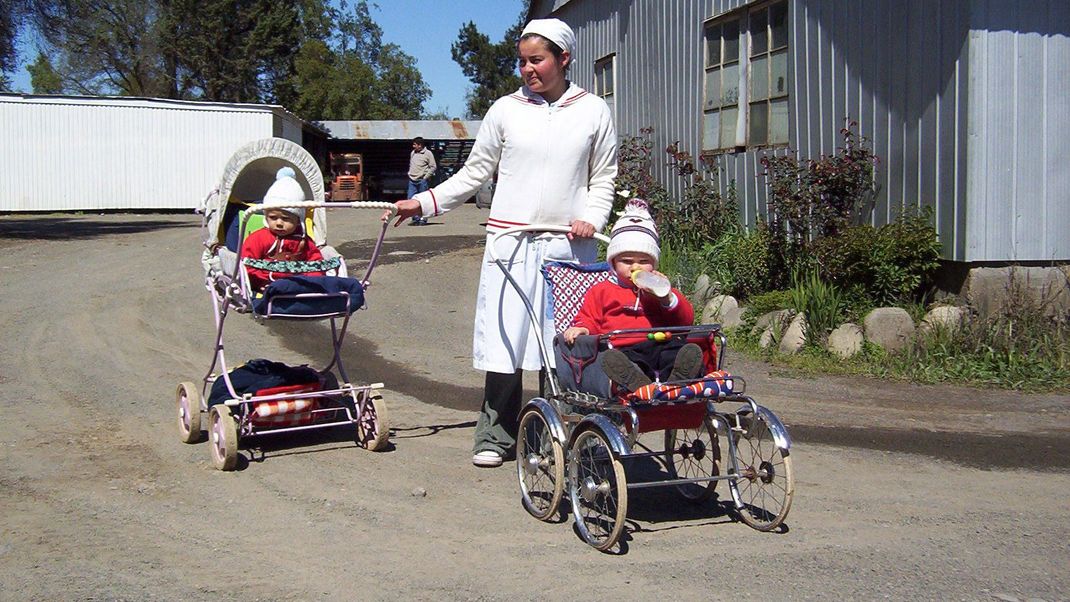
<point x="286" y="190"/>
<point x="634" y="231"/>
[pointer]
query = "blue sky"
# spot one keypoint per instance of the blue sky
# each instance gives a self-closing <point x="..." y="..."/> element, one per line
<point x="424" y="29"/>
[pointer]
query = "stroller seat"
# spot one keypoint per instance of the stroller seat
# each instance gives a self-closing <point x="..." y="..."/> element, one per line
<point x="660" y="405"/>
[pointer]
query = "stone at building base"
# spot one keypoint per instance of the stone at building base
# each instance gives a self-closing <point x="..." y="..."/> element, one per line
<point x="988" y="289"/>
<point x="795" y="336"/>
<point x="733" y="318"/>
<point x="771" y="325"/>
<point x="846" y="340"/>
<point x="889" y="327"/>
<point x="943" y="316"/>
<point x="716" y="307"/>
<point x="702" y="291"/>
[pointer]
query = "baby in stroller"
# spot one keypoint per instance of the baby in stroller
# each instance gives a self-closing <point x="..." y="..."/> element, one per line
<point x="282" y="239"/>
<point x="629" y="303"/>
<point x="283" y="265"/>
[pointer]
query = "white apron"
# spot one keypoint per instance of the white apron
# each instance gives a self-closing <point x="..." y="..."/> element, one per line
<point x="502" y="340"/>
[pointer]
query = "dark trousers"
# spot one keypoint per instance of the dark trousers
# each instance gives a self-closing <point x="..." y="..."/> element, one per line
<point x="655" y="358"/>
<point x="498" y="419"/>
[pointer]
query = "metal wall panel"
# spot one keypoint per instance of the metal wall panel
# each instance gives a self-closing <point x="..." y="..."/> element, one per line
<point x="1019" y="131"/>
<point x="83" y="153"/>
<point x="896" y="67"/>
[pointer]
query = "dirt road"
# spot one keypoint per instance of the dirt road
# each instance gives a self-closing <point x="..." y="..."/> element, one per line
<point x="903" y="491"/>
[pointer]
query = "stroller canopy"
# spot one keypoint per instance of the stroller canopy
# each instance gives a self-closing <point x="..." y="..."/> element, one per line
<point x="251" y="171"/>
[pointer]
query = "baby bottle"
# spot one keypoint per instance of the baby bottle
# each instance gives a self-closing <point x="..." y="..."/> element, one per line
<point x="658" y="286"/>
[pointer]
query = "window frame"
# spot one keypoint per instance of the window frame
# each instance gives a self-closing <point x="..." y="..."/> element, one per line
<point x="742" y="63"/>
<point x="599" y="75"/>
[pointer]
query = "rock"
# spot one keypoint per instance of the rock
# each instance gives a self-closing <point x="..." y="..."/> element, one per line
<point x="763" y="322"/>
<point x="795" y="336"/>
<point x="716" y="307"/>
<point x="419" y="492"/>
<point x="846" y="340"/>
<point x="702" y="290"/>
<point x="944" y="316"/>
<point x="889" y="327"/>
<point x="772" y="325"/>
<point x="733" y="318"/>
<point x="988" y="290"/>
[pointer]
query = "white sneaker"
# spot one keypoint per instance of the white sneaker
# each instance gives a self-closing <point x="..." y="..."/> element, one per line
<point x="487" y="458"/>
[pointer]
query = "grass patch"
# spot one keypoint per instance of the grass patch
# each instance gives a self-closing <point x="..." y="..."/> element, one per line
<point x="1019" y="349"/>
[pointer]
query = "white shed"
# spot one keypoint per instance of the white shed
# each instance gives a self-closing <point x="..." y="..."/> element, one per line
<point x="64" y="153"/>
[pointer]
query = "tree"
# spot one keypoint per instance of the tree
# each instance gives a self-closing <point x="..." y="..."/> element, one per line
<point x="12" y="20"/>
<point x="357" y="78"/>
<point x="44" y="78"/>
<point x="235" y="50"/>
<point x="491" y="67"/>
<point x="402" y="88"/>
<point x="103" y="46"/>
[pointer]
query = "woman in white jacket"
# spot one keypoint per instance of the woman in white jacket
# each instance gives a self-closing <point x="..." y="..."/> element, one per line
<point x="555" y="150"/>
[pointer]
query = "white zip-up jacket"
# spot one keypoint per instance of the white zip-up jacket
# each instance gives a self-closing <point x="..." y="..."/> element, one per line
<point x="556" y="162"/>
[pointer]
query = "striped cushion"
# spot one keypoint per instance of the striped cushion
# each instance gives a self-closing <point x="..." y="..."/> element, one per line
<point x="714" y="385"/>
<point x="285" y="412"/>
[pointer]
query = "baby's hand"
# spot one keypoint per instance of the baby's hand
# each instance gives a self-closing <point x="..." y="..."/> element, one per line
<point x="571" y="333"/>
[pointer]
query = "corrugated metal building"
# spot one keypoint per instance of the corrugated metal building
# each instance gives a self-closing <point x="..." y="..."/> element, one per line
<point x="964" y="101"/>
<point x="61" y="153"/>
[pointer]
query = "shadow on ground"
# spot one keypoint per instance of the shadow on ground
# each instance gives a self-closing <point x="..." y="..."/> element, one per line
<point x="67" y="228"/>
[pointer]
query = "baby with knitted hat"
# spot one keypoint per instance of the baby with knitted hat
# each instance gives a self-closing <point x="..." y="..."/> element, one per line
<point x="620" y="303"/>
<point x="282" y="239"/>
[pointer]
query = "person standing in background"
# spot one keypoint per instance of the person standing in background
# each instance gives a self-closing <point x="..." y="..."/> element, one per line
<point x="421" y="167"/>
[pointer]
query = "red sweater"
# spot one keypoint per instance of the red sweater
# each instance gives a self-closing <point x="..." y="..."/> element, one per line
<point x="610" y="306"/>
<point x="263" y="244"/>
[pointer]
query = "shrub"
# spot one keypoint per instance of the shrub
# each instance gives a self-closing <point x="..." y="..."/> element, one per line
<point x="815" y="198"/>
<point x="822" y="303"/>
<point x="703" y="214"/>
<point x="741" y="259"/>
<point x="634" y="156"/>
<point x="890" y="264"/>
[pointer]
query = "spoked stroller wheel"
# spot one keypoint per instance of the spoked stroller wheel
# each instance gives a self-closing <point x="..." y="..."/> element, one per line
<point x="189" y="412"/>
<point x="540" y="465"/>
<point x="223" y="431"/>
<point x="598" y="489"/>
<point x="766" y="484"/>
<point x="694" y="453"/>
<point x="373" y="430"/>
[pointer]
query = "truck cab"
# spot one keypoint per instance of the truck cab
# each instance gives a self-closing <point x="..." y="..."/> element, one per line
<point x="347" y="178"/>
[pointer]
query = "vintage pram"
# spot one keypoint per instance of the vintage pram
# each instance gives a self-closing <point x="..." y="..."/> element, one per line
<point x="583" y="440"/>
<point x="329" y="399"/>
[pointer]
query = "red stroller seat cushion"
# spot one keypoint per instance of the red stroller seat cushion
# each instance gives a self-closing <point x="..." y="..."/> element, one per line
<point x="286" y="412"/>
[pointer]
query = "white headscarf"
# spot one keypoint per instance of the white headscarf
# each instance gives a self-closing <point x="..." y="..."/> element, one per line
<point x="555" y="30"/>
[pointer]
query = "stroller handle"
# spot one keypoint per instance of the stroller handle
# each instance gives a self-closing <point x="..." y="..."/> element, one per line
<point x="536" y="322"/>
<point x="260" y="207"/>
<point x="535" y="228"/>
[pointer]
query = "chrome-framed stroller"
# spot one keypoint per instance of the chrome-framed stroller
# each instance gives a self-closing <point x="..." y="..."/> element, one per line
<point x="323" y="399"/>
<point x="583" y="440"/>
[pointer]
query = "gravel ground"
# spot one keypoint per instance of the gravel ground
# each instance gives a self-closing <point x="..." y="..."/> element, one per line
<point x="902" y="491"/>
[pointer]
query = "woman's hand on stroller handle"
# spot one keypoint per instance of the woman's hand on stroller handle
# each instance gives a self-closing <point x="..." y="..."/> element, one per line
<point x="404" y="210"/>
<point x="580" y="229"/>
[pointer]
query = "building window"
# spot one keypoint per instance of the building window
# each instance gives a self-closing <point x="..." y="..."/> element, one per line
<point x="746" y="94"/>
<point x="605" y="80"/>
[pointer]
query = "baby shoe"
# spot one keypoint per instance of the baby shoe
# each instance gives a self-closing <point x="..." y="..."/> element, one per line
<point x="487" y="458"/>
<point x="688" y="363"/>
<point x="622" y="370"/>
